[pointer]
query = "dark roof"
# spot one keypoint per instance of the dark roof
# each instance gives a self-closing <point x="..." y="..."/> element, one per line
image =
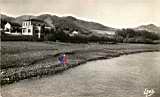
<point x="37" y="22"/>
<point x="14" y="24"/>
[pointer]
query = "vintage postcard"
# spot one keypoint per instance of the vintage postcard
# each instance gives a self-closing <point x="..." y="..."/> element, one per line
<point x="80" y="48"/>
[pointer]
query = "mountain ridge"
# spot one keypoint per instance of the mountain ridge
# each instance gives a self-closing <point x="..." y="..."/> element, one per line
<point x="149" y="27"/>
<point x="73" y="22"/>
<point x="53" y="19"/>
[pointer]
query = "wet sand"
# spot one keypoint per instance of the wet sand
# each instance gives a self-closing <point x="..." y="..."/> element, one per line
<point x="125" y="76"/>
<point x="27" y="60"/>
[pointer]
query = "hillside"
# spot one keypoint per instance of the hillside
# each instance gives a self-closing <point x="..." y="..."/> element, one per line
<point x="20" y="19"/>
<point x="72" y="23"/>
<point x="69" y="22"/>
<point x="150" y="28"/>
<point x="5" y="19"/>
<point x="87" y="24"/>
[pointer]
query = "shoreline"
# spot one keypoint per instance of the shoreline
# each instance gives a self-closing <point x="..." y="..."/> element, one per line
<point x="57" y="68"/>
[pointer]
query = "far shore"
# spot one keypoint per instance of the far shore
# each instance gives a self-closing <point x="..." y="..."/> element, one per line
<point x="26" y="60"/>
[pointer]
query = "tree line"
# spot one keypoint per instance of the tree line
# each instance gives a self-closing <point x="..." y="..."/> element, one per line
<point x="62" y="30"/>
<point x="135" y="36"/>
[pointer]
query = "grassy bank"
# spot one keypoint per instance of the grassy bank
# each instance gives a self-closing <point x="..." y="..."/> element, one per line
<point x="24" y="60"/>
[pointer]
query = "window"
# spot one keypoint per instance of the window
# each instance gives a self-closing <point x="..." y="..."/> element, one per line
<point x="29" y="30"/>
<point x="7" y="29"/>
<point x="23" y="30"/>
<point x="36" y="31"/>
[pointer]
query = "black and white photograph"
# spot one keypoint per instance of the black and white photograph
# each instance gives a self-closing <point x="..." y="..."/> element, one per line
<point x="80" y="48"/>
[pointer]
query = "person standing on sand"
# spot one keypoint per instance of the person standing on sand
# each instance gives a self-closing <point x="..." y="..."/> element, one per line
<point x="63" y="60"/>
<point x="60" y="59"/>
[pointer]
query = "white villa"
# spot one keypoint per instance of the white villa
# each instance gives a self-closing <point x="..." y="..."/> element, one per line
<point x="33" y="27"/>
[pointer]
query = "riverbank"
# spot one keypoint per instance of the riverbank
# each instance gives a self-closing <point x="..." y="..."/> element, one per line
<point x="125" y="76"/>
<point x="25" y="60"/>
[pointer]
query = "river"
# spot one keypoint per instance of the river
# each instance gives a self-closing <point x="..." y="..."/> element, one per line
<point x="125" y="76"/>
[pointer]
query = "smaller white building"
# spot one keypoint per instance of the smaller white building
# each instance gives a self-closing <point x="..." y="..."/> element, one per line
<point x="7" y="28"/>
<point x="12" y="28"/>
<point x="103" y="32"/>
<point x="73" y="33"/>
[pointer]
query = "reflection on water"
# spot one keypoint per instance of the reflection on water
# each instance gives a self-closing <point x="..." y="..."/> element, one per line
<point x="126" y="76"/>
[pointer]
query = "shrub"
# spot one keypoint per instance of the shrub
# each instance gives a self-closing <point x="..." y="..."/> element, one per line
<point x="6" y="37"/>
<point x="135" y="36"/>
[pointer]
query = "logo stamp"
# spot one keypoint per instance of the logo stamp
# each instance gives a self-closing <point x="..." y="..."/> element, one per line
<point x="148" y="92"/>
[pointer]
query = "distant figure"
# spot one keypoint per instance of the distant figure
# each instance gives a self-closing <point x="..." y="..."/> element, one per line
<point x="60" y="59"/>
<point x="63" y="60"/>
<point x="78" y="59"/>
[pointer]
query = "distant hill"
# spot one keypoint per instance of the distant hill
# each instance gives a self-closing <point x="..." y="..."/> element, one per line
<point x="7" y="18"/>
<point x="20" y="19"/>
<point x="85" y="27"/>
<point x="150" y="28"/>
<point x="87" y="30"/>
<point x="63" y="22"/>
<point x="87" y="24"/>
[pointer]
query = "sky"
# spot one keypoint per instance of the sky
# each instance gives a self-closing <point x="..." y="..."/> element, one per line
<point x="113" y="13"/>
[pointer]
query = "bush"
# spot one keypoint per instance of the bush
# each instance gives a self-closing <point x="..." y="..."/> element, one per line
<point x="135" y="36"/>
<point x="5" y="37"/>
